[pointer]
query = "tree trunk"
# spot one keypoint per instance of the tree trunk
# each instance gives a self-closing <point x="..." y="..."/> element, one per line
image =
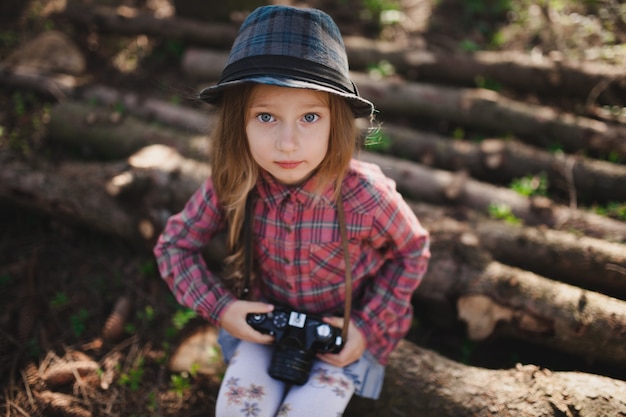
<point x="512" y="69"/>
<point x="420" y="183"/>
<point x="501" y="161"/>
<point x="515" y="70"/>
<point x="485" y="109"/>
<point x="107" y="133"/>
<point x="487" y="293"/>
<point x="421" y="383"/>
<point x="493" y="298"/>
<point x="586" y="262"/>
<point x="95" y="131"/>
<point x="109" y="19"/>
<point x="187" y="119"/>
<point x="479" y="108"/>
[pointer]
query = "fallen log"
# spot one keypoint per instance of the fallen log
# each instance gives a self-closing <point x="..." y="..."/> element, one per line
<point x="128" y="21"/>
<point x="479" y="108"/>
<point x="539" y="74"/>
<point x="103" y="132"/>
<point x="586" y="262"/>
<point x="92" y="130"/>
<point x="516" y="70"/>
<point x="499" y="161"/>
<point x="528" y="307"/>
<point x="420" y="383"/>
<point x="493" y="160"/>
<point x="496" y="299"/>
<point x="593" y="264"/>
<point x="57" y="86"/>
<point x="107" y="197"/>
<point x="421" y="183"/>
<point x="149" y="108"/>
<point x="484" y="109"/>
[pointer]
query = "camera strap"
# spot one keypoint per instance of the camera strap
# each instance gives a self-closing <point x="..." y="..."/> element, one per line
<point x="247" y="269"/>
<point x="247" y="244"/>
<point x="346" y="256"/>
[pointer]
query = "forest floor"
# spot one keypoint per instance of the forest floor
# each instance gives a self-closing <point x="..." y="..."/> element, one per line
<point x="59" y="282"/>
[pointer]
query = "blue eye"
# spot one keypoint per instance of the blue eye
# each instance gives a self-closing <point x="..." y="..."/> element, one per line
<point x="310" y="117"/>
<point x="265" y="117"/>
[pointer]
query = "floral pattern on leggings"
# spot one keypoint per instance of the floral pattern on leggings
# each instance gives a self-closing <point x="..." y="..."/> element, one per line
<point x="250" y="397"/>
<point x="336" y="381"/>
<point x="238" y="395"/>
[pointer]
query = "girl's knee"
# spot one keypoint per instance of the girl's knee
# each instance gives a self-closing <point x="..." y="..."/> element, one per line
<point x="332" y="379"/>
<point x="327" y="393"/>
<point x="247" y="389"/>
<point x="246" y="399"/>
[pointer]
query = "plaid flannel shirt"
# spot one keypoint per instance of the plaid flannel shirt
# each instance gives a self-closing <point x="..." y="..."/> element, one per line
<point x="299" y="260"/>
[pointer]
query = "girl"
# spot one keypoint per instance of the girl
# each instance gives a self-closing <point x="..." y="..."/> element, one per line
<point x="283" y="170"/>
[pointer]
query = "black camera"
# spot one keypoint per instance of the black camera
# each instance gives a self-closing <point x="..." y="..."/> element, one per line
<point x="298" y="337"/>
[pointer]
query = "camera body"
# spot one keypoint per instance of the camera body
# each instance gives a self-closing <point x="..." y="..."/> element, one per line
<point x="298" y="337"/>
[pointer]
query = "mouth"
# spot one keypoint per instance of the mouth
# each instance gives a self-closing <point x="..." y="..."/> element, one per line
<point x="288" y="164"/>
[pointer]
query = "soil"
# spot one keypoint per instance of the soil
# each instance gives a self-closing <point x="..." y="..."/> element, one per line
<point x="59" y="282"/>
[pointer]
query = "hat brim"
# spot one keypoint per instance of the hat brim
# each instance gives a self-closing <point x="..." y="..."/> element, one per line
<point x="360" y="106"/>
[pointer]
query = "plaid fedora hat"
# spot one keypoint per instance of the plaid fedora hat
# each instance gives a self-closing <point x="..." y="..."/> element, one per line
<point x="290" y="47"/>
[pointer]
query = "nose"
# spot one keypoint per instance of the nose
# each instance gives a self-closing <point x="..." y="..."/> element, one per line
<point x="287" y="138"/>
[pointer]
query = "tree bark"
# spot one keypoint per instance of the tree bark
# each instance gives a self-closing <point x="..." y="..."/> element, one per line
<point x="485" y="109"/>
<point x="479" y="108"/>
<point x="215" y="34"/>
<point x="501" y="161"/>
<point x="159" y="111"/>
<point x="512" y="69"/>
<point x="489" y="295"/>
<point x="97" y="131"/>
<point x="582" y="261"/>
<point x="421" y="383"/>
<point x="56" y="86"/>
<point x="420" y="183"/>
<point x="493" y="298"/>
<point x="586" y="262"/>
<point x="102" y="132"/>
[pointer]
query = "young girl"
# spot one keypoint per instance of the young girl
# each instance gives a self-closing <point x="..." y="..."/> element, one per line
<point x="283" y="158"/>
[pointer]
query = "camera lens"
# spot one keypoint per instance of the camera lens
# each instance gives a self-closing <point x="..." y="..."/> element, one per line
<point x="291" y="365"/>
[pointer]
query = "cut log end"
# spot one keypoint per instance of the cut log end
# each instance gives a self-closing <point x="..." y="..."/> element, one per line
<point x="481" y="314"/>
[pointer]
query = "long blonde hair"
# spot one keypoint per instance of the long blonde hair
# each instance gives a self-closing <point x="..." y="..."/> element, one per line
<point x="235" y="172"/>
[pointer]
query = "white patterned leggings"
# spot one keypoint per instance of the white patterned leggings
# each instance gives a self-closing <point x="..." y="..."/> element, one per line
<point x="248" y="390"/>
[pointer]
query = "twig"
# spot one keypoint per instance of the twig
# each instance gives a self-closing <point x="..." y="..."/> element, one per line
<point x="17" y="407"/>
<point x="616" y="268"/>
<point x="29" y="394"/>
<point x="598" y="89"/>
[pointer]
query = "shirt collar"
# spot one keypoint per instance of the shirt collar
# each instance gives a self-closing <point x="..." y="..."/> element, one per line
<point x="274" y="193"/>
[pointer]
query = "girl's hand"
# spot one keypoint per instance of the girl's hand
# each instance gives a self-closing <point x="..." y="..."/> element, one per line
<point x="234" y="321"/>
<point x="352" y="350"/>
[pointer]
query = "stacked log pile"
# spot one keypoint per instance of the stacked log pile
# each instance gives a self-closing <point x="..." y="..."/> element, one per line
<point x="556" y="279"/>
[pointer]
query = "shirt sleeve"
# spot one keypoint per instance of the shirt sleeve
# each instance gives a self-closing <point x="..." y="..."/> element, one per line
<point x="179" y="258"/>
<point x="386" y="311"/>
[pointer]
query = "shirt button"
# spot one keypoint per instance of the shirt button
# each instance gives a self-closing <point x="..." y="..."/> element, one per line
<point x="286" y="261"/>
<point x="288" y="229"/>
